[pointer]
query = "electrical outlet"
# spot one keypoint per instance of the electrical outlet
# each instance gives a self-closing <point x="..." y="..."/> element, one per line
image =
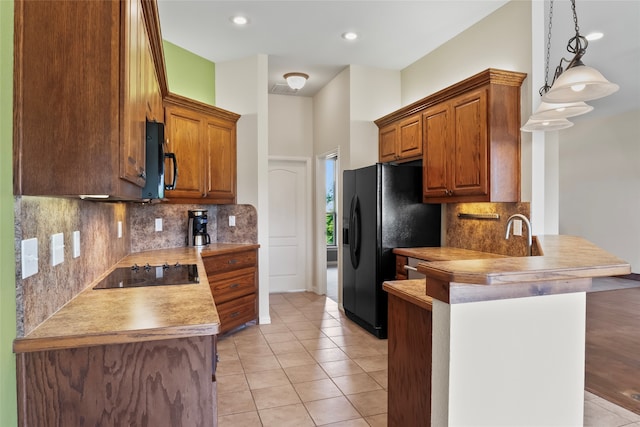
<point x="517" y="227"/>
<point x="119" y="229"/>
<point x="29" y="249"/>
<point x="158" y="224"/>
<point x="232" y="220"/>
<point x="57" y="249"/>
<point x="76" y="244"/>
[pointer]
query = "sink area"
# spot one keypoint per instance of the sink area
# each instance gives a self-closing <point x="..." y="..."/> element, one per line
<point x="148" y="275"/>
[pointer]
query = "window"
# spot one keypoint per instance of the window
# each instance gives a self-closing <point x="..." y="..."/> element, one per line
<point x="330" y="198"/>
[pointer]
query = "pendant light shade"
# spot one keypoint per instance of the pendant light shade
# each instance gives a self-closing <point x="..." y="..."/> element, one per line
<point x="296" y="81"/>
<point x="546" y="125"/>
<point x="550" y="111"/>
<point x="579" y="83"/>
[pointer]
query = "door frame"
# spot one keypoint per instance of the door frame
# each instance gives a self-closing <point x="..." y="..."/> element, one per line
<point x="320" y="237"/>
<point x="306" y="162"/>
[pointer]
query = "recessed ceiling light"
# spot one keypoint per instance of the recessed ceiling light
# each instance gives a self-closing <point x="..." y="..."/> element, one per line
<point x="239" y="20"/>
<point x="349" y="35"/>
<point x="594" y="36"/>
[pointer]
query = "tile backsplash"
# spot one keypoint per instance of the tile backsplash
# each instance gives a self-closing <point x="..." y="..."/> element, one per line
<point x="41" y="295"/>
<point x="486" y="235"/>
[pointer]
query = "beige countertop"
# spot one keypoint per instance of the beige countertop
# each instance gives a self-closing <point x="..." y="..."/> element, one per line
<point x="118" y="316"/>
<point x="563" y="257"/>
<point x="413" y="291"/>
<point x="443" y="253"/>
<point x="565" y="264"/>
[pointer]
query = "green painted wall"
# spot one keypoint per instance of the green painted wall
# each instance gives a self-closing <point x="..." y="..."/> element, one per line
<point x="190" y="75"/>
<point x="8" y="408"/>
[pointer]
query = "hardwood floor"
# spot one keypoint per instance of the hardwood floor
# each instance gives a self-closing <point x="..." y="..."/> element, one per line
<point x="613" y="346"/>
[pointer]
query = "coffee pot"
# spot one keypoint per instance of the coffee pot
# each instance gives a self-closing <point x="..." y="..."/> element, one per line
<point x="197" y="230"/>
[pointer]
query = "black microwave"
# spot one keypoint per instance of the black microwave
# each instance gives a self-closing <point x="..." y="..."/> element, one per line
<point x="155" y="163"/>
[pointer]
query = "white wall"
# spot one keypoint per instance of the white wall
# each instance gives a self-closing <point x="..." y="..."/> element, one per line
<point x="242" y="87"/>
<point x="375" y="93"/>
<point x="290" y="126"/>
<point x="600" y="183"/>
<point x="331" y="117"/>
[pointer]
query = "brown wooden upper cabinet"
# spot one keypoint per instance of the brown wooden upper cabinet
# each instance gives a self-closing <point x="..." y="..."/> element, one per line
<point x="401" y="141"/>
<point x="203" y="138"/>
<point x="87" y="75"/>
<point x="470" y="135"/>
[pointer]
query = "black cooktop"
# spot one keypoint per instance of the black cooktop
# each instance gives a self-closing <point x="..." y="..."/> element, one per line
<point x="150" y="275"/>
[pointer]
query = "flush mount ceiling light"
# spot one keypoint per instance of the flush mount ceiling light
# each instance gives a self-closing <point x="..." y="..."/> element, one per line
<point x="569" y="89"/>
<point x="296" y="81"/>
<point x="578" y="82"/>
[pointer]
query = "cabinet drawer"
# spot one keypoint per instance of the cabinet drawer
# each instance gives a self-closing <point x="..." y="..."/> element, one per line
<point x="233" y="284"/>
<point x="234" y="261"/>
<point x="236" y="312"/>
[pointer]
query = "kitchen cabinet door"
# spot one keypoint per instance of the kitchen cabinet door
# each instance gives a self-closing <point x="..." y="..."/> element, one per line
<point x="410" y="141"/>
<point x="401" y="141"/>
<point x="184" y="135"/>
<point x="79" y="119"/>
<point x="203" y="138"/>
<point x="436" y="134"/>
<point x="132" y="147"/>
<point x="455" y="147"/>
<point x="468" y="150"/>
<point x="221" y="161"/>
<point x="388" y="136"/>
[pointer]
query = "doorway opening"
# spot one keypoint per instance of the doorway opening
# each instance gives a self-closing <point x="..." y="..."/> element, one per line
<point x="331" y="224"/>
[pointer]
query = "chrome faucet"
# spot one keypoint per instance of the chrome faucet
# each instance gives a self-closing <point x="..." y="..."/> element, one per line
<point x="526" y="221"/>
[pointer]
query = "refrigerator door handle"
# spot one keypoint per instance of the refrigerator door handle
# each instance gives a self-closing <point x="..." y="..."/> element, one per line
<point x="354" y="231"/>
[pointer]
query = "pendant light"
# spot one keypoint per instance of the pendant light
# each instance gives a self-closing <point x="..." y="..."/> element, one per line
<point x="579" y="82"/>
<point x="553" y="111"/>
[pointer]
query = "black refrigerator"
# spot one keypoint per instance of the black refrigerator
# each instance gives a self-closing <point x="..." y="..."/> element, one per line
<point x="383" y="210"/>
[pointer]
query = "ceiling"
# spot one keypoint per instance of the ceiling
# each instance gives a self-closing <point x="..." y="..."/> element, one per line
<point x="305" y="35"/>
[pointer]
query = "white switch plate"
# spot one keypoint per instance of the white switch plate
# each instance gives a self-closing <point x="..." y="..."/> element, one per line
<point x="517" y="227"/>
<point x="76" y="244"/>
<point x="29" y="248"/>
<point x="232" y="220"/>
<point x="158" y="224"/>
<point x="57" y="249"/>
<point x="119" y="229"/>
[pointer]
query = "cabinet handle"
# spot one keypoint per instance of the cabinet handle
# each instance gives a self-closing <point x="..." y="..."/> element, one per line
<point x="408" y="267"/>
<point x="234" y="314"/>
<point x="235" y="285"/>
<point x="233" y="261"/>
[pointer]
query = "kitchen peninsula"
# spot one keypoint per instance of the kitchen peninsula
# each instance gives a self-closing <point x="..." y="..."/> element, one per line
<point x="501" y="340"/>
<point x="134" y="356"/>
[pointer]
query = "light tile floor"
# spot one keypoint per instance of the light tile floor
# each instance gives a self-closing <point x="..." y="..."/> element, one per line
<point x="314" y="367"/>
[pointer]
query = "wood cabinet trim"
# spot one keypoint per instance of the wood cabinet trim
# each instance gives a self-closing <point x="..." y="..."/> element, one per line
<point x="488" y="76"/>
<point x="152" y="22"/>
<point x="200" y="107"/>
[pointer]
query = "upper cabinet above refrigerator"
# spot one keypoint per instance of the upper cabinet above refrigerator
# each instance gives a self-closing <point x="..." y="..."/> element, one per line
<point x="470" y="139"/>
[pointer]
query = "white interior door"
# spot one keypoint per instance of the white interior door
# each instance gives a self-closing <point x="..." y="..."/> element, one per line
<point x="289" y="209"/>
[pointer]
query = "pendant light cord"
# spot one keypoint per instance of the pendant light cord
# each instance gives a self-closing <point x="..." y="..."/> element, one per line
<point x="544" y="89"/>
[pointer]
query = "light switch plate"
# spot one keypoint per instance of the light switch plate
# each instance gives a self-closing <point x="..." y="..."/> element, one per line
<point x="76" y="244"/>
<point x="232" y="220"/>
<point x="119" y="229"/>
<point x="158" y="224"/>
<point x="57" y="249"/>
<point x="29" y="248"/>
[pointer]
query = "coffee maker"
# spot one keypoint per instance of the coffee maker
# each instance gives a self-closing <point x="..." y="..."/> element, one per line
<point x="197" y="232"/>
